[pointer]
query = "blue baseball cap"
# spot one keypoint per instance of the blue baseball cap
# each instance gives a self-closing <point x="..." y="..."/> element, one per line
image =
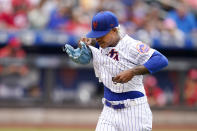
<point x="102" y="23"/>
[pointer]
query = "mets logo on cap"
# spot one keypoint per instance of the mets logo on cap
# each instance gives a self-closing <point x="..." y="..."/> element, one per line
<point x="142" y="48"/>
<point x="95" y="24"/>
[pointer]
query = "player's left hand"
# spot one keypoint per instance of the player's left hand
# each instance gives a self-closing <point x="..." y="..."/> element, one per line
<point x="123" y="77"/>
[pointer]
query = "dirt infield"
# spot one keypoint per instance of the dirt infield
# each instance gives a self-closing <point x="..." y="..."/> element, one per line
<point x="81" y="129"/>
<point x="61" y="127"/>
<point x="49" y="129"/>
<point x="85" y="120"/>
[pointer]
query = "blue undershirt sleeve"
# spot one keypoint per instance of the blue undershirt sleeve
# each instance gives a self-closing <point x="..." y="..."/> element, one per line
<point x="156" y="62"/>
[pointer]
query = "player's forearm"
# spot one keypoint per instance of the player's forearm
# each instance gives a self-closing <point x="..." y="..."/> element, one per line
<point x="139" y="70"/>
<point x="127" y="75"/>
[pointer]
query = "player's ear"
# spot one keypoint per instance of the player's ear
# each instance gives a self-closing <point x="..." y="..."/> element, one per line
<point x="114" y="29"/>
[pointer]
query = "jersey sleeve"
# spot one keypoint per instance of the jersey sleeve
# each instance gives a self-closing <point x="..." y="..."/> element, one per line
<point x="156" y="62"/>
<point x="96" y="57"/>
<point x="141" y="52"/>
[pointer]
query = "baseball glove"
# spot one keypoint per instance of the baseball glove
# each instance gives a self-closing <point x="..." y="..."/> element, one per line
<point x="81" y="55"/>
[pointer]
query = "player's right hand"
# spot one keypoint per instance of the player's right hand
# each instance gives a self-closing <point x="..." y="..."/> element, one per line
<point x="87" y="41"/>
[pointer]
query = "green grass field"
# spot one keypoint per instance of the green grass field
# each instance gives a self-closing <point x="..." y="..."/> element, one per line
<point x="73" y="129"/>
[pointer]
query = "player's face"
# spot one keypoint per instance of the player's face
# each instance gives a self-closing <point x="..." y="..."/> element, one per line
<point x="109" y="39"/>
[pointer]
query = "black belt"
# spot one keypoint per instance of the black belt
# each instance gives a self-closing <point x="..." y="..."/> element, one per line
<point x="118" y="106"/>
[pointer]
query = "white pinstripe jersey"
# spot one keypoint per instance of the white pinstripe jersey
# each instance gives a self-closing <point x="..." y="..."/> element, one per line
<point x="110" y="61"/>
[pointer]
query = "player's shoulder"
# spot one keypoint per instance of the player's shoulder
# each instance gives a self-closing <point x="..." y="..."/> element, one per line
<point x="137" y="45"/>
<point x="127" y="40"/>
<point x="93" y="49"/>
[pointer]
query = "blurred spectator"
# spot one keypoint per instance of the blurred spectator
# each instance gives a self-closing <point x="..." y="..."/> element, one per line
<point x="191" y="88"/>
<point x="5" y="5"/>
<point x="139" y="11"/>
<point x="14" y="74"/>
<point x="60" y="15"/>
<point x="184" y="19"/>
<point x="78" y="24"/>
<point x="129" y="27"/>
<point x="155" y="94"/>
<point x="38" y="18"/>
<point x="149" y="30"/>
<point x="115" y="6"/>
<point x="171" y="36"/>
<point x="16" y="18"/>
<point x="88" y="5"/>
<point x="192" y="3"/>
<point x="12" y="49"/>
<point x="174" y="93"/>
<point x="148" y="33"/>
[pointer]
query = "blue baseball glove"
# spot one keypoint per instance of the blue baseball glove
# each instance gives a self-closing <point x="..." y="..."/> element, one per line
<point x="81" y="55"/>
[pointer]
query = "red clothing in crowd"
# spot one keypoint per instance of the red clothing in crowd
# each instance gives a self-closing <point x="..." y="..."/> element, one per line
<point x="155" y="94"/>
<point x="13" y="49"/>
<point x="17" y="17"/>
<point x="191" y="88"/>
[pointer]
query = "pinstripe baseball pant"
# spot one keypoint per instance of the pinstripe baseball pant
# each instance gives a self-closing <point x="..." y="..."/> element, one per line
<point x="136" y="116"/>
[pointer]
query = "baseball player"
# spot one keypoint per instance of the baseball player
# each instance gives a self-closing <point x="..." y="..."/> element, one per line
<point x="120" y="63"/>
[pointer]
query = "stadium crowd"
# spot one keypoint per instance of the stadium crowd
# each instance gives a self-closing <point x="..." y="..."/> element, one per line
<point x="160" y="23"/>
